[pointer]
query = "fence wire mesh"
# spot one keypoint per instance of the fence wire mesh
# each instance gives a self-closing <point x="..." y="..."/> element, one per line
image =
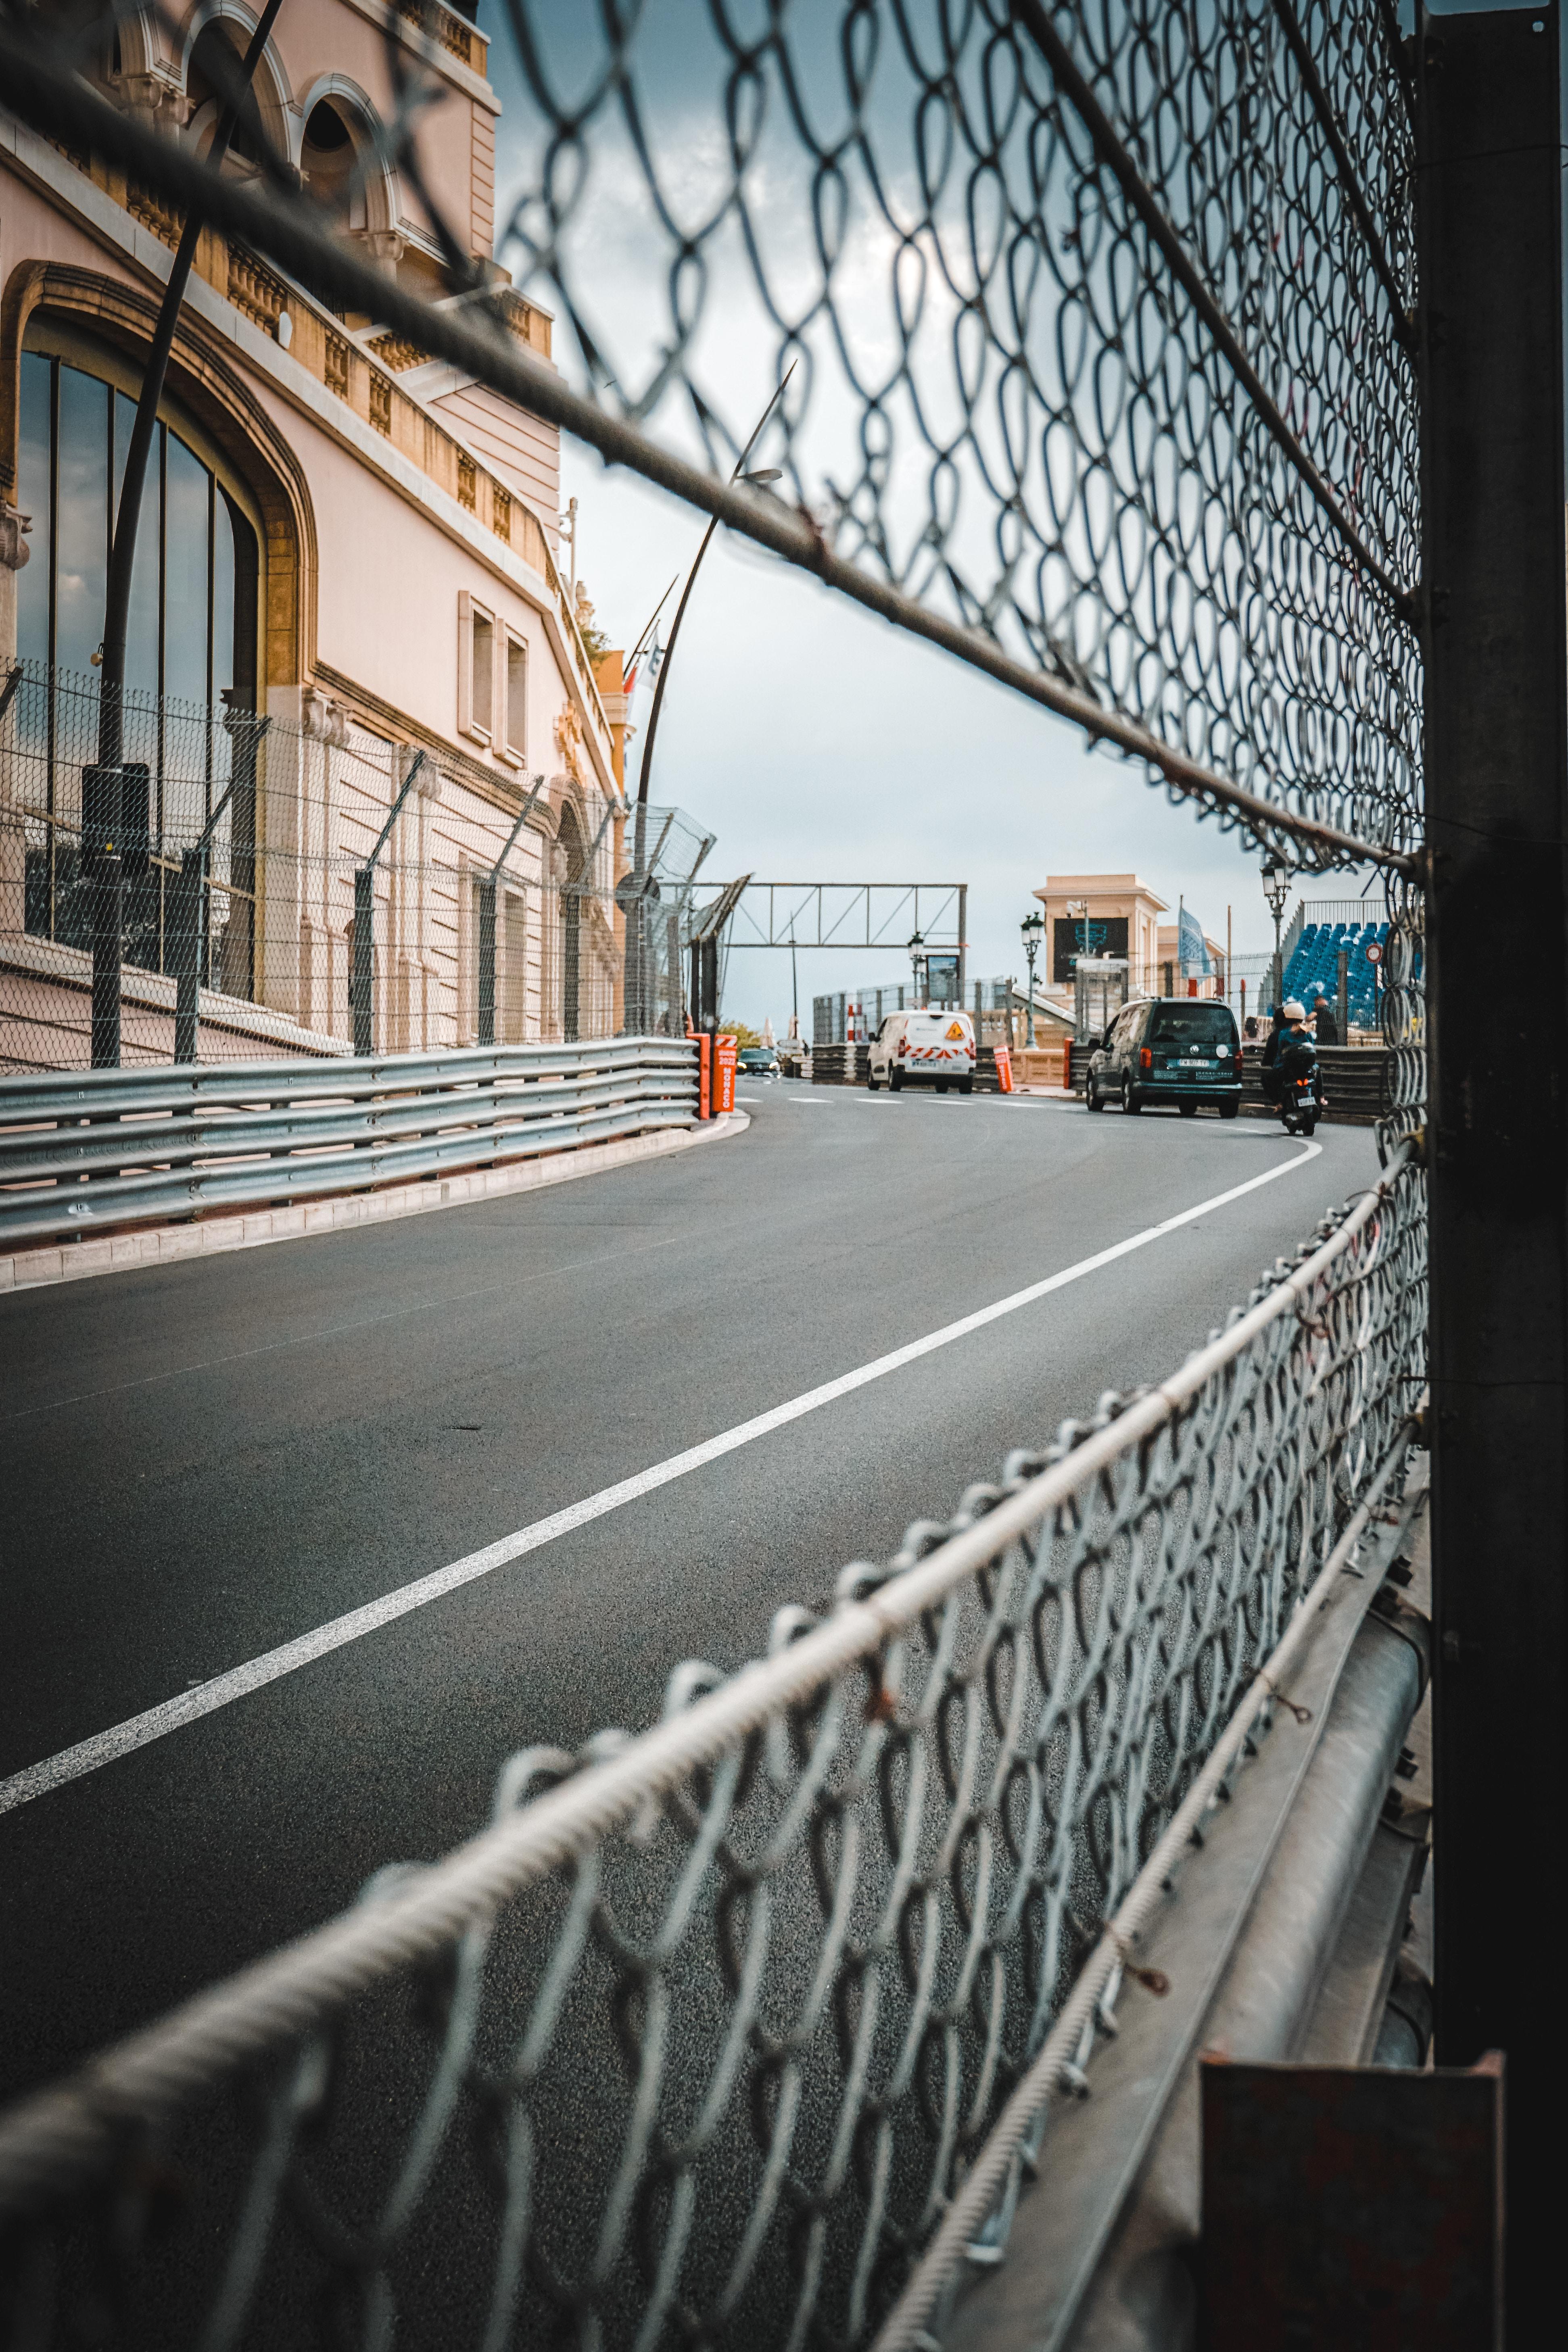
<point x="239" y="916"/>
<point x="694" y="2044"/>
<point x="1090" y="330"/>
<point x="1099" y="344"/>
<point x="1091" y="334"/>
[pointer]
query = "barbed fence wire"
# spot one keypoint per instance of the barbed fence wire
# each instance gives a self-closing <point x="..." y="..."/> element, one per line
<point x="1099" y="322"/>
<point x="698" y="2039"/>
<point x="491" y="923"/>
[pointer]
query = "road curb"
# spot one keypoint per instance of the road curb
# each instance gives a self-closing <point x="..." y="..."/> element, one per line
<point x="209" y="1236"/>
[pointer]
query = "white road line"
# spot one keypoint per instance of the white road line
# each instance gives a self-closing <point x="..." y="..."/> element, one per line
<point x="223" y="1690"/>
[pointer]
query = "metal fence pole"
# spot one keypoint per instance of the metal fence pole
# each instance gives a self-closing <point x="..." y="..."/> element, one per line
<point x="1496" y="776"/>
<point x="189" y="896"/>
<point x="1344" y="994"/>
<point x="361" y="978"/>
<point x="487" y="919"/>
<point x="107" y="920"/>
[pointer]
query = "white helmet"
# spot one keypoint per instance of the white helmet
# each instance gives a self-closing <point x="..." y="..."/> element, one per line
<point x="1295" y="1010"/>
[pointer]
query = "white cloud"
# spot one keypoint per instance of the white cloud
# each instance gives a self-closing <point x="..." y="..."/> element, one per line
<point x="821" y="744"/>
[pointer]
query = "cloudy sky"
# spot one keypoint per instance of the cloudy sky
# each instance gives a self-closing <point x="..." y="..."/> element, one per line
<point x="816" y="743"/>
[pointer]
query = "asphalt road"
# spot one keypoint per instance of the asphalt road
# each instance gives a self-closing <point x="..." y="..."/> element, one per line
<point x="201" y="1463"/>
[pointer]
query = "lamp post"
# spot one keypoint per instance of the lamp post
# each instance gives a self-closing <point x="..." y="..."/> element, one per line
<point x="917" y="958"/>
<point x="760" y="479"/>
<point x="1033" y="929"/>
<point x="1277" y="890"/>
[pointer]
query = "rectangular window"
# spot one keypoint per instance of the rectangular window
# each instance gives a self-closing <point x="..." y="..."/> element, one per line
<point x="484" y="672"/>
<point x="476" y="668"/>
<point x="516" y="739"/>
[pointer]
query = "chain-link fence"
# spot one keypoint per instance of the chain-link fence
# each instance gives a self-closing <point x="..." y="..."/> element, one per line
<point x="1100" y="325"/>
<point x="1091" y="337"/>
<point x="697" y="2041"/>
<point x="301" y="888"/>
<point x="1091" y="331"/>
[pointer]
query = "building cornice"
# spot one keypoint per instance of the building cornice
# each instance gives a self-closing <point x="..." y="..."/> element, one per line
<point x="473" y="85"/>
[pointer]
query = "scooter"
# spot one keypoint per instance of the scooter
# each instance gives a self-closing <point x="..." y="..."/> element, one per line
<point x="1301" y="1101"/>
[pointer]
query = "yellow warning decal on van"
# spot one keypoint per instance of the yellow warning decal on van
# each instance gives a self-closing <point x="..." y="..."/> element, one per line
<point x="956" y="1029"/>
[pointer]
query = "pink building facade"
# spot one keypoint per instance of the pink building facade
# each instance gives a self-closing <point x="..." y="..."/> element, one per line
<point x="339" y="534"/>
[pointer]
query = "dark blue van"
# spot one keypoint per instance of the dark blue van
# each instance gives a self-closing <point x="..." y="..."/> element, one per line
<point x="1169" y="1049"/>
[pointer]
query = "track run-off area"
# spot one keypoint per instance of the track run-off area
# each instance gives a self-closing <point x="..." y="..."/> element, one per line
<point x="301" y="1542"/>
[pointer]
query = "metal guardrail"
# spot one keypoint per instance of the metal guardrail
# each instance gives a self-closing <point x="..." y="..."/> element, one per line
<point x="701" y="2039"/>
<point x="84" y="1152"/>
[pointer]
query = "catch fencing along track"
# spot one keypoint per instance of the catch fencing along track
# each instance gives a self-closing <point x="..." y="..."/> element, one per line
<point x="83" y="1153"/>
<point x="700" y="2038"/>
<point x="1117" y="401"/>
<point x="1093" y="336"/>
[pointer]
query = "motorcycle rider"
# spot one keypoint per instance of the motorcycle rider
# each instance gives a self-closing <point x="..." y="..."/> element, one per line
<point x="1295" y="1048"/>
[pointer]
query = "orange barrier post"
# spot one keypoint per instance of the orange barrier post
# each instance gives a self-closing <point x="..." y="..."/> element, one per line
<point x="1067" y="1063"/>
<point x="1005" y="1068"/>
<point x="725" y="1050"/>
<point x="704" y="1089"/>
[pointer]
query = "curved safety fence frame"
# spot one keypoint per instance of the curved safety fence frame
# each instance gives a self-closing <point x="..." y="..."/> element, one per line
<point x="1086" y="337"/>
<point x="702" y="2037"/>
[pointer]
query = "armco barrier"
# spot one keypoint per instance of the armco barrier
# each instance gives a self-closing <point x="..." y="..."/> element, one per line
<point x="1354" y="1080"/>
<point x="839" y="1066"/>
<point x="93" y="1150"/>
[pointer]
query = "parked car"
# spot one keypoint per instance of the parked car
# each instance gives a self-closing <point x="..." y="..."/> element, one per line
<point x="1169" y="1049"/>
<point x="923" y="1048"/>
<point x="759" y="1061"/>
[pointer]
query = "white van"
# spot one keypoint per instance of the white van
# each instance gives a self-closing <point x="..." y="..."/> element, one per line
<point x="927" y="1048"/>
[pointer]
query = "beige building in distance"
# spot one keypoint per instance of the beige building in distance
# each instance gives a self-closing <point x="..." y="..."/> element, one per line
<point x="1117" y="915"/>
<point x="1099" y="915"/>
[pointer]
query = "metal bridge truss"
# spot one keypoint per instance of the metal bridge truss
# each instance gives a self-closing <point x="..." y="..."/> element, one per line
<point x="882" y="915"/>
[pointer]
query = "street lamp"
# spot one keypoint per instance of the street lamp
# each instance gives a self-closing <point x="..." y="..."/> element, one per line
<point x="917" y="957"/>
<point x="1277" y="890"/>
<point x="1032" y="929"/>
<point x="762" y="478"/>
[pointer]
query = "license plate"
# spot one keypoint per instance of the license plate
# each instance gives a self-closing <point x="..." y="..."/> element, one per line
<point x="1309" y="1102"/>
<point x="1195" y="1062"/>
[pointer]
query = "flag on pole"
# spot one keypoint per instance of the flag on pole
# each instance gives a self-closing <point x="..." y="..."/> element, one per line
<point x="641" y="680"/>
<point x="1191" y="948"/>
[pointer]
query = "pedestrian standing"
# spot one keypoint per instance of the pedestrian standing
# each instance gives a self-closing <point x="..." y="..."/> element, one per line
<point x="1327" y="1027"/>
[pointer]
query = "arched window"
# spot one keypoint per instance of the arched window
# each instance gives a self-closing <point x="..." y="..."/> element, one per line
<point x="75" y="432"/>
<point x="212" y="75"/>
<point x="327" y="161"/>
<point x="191" y="648"/>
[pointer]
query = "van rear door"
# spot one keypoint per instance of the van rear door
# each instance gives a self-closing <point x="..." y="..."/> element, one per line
<point x="1192" y="1039"/>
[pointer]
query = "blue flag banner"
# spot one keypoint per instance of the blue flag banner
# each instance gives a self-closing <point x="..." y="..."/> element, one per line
<point x="1191" y="947"/>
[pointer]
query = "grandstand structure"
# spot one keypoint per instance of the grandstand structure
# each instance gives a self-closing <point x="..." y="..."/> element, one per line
<point x="1310" y="955"/>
